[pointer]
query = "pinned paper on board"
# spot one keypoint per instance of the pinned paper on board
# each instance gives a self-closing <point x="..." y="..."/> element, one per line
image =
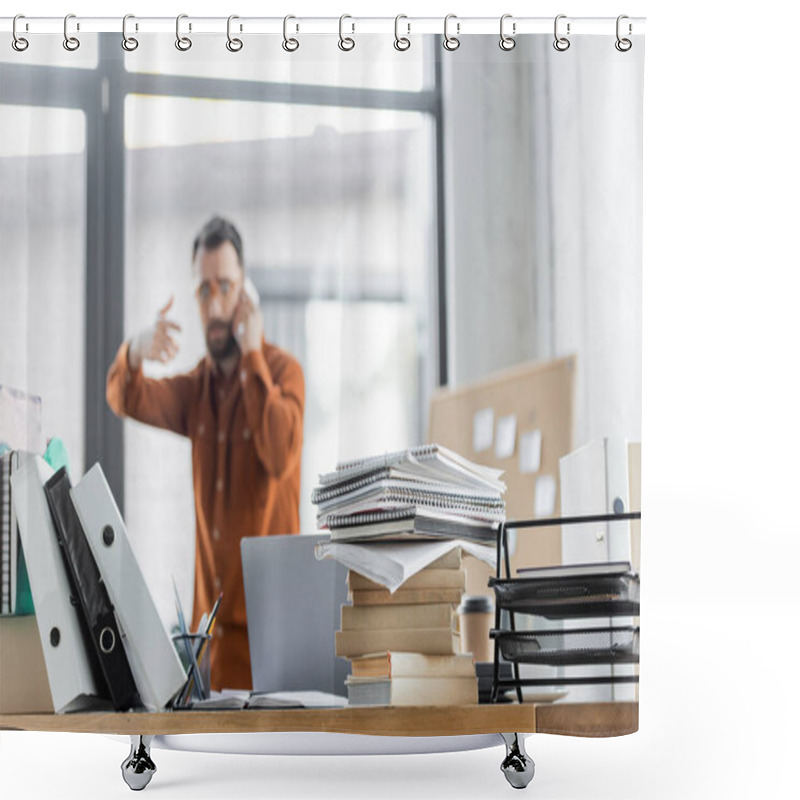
<point x="545" y="496"/>
<point x="530" y="452"/>
<point x="483" y="430"/>
<point x="506" y="436"/>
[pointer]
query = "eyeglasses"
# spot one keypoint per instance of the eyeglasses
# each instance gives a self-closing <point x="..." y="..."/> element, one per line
<point x="221" y="287"/>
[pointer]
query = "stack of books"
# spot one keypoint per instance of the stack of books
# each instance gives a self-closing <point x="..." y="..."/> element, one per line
<point x="404" y="645"/>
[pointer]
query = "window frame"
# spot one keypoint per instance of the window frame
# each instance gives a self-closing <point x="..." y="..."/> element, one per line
<point x="100" y="93"/>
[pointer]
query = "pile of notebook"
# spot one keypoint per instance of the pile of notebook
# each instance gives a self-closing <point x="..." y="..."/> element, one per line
<point x="426" y="492"/>
<point x="404" y="645"/>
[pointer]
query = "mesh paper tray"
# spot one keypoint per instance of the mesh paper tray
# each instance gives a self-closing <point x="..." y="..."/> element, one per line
<point x="559" y="598"/>
<point x="570" y="647"/>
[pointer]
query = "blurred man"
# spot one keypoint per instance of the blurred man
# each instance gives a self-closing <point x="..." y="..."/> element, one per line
<point x="242" y="408"/>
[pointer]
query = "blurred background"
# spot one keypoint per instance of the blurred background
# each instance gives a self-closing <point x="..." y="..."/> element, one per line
<point x="411" y="221"/>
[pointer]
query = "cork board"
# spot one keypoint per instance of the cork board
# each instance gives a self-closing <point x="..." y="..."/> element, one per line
<point x="540" y="397"/>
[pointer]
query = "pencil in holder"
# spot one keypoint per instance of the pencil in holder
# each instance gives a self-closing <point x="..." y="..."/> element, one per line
<point x="193" y="650"/>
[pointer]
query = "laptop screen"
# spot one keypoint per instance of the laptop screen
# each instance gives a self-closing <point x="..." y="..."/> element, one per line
<point x="293" y="604"/>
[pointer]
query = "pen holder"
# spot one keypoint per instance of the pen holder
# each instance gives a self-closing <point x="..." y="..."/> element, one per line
<point x="197" y="643"/>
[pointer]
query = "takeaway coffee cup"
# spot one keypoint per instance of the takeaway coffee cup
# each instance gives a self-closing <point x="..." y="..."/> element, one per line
<point x="477" y="615"/>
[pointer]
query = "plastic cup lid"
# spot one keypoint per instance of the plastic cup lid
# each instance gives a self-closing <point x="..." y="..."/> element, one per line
<point x="476" y="604"/>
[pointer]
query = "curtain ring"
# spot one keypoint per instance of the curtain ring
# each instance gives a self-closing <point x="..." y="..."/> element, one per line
<point x="288" y="44"/>
<point x="401" y="43"/>
<point x="71" y="43"/>
<point x="346" y="43"/>
<point x="507" y="42"/>
<point x="623" y="45"/>
<point x="233" y="44"/>
<point x="183" y="43"/>
<point x="561" y="43"/>
<point x="19" y="43"/>
<point x="451" y="42"/>
<point x="129" y="43"/>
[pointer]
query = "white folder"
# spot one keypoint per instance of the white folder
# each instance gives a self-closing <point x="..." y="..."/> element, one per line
<point x="68" y="670"/>
<point x="594" y="480"/>
<point x="155" y="664"/>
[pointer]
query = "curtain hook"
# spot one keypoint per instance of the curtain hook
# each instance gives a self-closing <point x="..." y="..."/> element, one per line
<point x="451" y="42"/>
<point x="561" y="43"/>
<point x="129" y="43"/>
<point x="289" y="45"/>
<point x="183" y="43"/>
<point x="507" y="42"/>
<point x="346" y="43"/>
<point x="71" y="43"/>
<point x="233" y="44"/>
<point x="401" y="43"/>
<point x="623" y="45"/>
<point x="19" y="43"/>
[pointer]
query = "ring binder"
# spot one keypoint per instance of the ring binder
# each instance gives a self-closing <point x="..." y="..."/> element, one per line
<point x="91" y="593"/>
<point x="154" y="662"/>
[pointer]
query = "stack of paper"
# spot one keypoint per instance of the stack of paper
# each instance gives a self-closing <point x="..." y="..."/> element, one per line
<point x="427" y="492"/>
<point x="399" y="522"/>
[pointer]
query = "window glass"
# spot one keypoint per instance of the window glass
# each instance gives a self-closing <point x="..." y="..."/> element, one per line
<point x="335" y="208"/>
<point x="43" y="265"/>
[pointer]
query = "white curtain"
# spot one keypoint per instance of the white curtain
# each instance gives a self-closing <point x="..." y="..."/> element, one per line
<point x="328" y="163"/>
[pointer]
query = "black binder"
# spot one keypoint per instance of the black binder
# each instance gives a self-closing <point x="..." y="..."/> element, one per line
<point x="90" y="595"/>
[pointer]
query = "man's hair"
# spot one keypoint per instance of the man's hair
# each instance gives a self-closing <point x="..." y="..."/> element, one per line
<point x="215" y="233"/>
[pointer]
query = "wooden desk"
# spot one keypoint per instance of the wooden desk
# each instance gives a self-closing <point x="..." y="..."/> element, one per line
<point x="571" y="719"/>
<point x="508" y="720"/>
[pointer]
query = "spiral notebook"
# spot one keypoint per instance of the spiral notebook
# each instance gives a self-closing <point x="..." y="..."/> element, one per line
<point x="411" y="522"/>
<point x="430" y="461"/>
<point x="393" y="494"/>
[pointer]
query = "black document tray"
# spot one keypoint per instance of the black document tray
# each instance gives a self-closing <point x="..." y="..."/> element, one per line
<point x="559" y="598"/>
<point x="618" y="645"/>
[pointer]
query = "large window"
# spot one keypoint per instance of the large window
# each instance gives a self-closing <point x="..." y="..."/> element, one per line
<point x="327" y="164"/>
<point x="42" y="281"/>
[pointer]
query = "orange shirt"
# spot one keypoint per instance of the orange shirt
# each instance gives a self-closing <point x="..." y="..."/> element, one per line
<point x="247" y="435"/>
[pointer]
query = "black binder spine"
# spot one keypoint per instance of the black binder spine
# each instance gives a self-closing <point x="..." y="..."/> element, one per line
<point x="92" y="596"/>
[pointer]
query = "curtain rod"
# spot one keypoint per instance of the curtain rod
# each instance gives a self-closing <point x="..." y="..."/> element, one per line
<point x="459" y="26"/>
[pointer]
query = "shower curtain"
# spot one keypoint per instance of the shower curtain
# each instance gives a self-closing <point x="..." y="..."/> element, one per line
<point x="414" y="220"/>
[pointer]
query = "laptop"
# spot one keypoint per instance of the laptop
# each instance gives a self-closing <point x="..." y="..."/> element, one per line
<point x="293" y="604"/>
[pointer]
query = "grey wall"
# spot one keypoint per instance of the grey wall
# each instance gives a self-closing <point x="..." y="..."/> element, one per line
<point x="490" y="215"/>
<point x="543" y="179"/>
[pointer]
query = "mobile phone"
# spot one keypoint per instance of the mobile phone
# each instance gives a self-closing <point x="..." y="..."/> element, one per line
<point x="251" y="290"/>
